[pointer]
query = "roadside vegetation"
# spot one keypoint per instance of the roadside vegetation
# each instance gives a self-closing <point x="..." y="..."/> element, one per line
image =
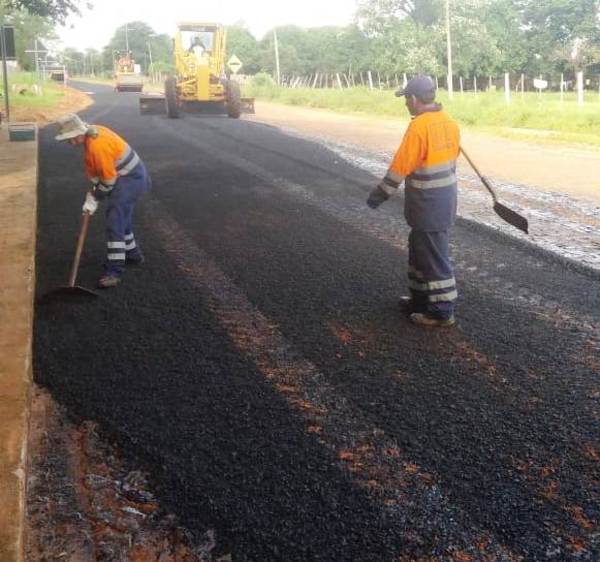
<point x="25" y="90"/>
<point x="529" y="115"/>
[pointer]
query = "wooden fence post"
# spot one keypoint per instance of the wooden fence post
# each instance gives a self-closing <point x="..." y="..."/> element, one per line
<point x="507" y="87"/>
<point x="562" y="87"/>
<point x="580" y="88"/>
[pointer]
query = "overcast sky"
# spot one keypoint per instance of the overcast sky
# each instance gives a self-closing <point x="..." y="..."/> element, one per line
<point x="95" y="27"/>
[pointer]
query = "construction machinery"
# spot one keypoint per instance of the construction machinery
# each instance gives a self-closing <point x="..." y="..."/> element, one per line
<point x="199" y="80"/>
<point x="126" y="77"/>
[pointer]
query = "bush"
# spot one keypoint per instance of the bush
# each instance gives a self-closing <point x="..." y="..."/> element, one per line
<point x="262" y="79"/>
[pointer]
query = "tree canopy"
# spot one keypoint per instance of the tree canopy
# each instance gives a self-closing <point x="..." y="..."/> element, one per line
<point x="54" y="10"/>
<point x="489" y="37"/>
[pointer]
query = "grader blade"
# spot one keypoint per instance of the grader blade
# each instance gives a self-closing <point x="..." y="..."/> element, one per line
<point x="152" y="104"/>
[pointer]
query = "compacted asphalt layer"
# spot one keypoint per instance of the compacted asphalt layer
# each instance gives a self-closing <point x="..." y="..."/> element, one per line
<point x="259" y="368"/>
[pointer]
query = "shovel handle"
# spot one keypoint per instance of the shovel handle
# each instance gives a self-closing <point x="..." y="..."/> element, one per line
<point x="483" y="179"/>
<point x="85" y="222"/>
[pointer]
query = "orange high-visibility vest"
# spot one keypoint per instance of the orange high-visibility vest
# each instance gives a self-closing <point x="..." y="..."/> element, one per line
<point x="426" y="162"/>
<point x="107" y="156"/>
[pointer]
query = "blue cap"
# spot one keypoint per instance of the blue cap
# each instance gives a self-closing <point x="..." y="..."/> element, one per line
<point x="421" y="87"/>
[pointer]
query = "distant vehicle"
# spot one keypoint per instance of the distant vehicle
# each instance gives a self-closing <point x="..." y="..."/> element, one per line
<point x="57" y="73"/>
<point x="200" y="78"/>
<point x="126" y="77"/>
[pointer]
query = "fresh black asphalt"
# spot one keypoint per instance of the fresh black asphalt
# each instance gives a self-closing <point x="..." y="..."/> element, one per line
<point x="502" y="410"/>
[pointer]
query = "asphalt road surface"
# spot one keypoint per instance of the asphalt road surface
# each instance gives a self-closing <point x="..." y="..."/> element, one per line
<point x="259" y="368"/>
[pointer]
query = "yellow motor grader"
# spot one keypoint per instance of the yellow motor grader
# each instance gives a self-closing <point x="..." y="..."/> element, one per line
<point x="200" y="78"/>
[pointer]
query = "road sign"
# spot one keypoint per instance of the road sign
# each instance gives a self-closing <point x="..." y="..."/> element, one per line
<point x="540" y="84"/>
<point x="9" y="43"/>
<point x="234" y="64"/>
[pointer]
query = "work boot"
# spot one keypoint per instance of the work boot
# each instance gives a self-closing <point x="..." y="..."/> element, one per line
<point x="108" y="280"/>
<point x="424" y="319"/>
<point x="136" y="259"/>
<point x="409" y="306"/>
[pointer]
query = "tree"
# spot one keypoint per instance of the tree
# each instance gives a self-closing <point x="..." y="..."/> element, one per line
<point x="560" y="31"/>
<point x="28" y="28"/>
<point x="243" y="44"/>
<point x="73" y="60"/>
<point x="376" y="16"/>
<point x="139" y="35"/>
<point x="54" y="10"/>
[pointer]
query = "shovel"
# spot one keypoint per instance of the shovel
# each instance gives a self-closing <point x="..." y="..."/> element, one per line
<point x="510" y="216"/>
<point x="71" y="290"/>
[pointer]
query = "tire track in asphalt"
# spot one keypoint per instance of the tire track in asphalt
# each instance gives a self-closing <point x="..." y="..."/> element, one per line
<point x="412" y="497"/>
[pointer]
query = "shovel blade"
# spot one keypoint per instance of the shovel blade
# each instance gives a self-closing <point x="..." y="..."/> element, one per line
<point x="76" y="293"/>
<point x="512" y="217"/>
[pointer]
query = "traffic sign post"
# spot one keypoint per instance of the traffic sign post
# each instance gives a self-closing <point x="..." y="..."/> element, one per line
<point x="540" y="85"/>
<point x="7" y="47"/>
<point x="234" y="64"/>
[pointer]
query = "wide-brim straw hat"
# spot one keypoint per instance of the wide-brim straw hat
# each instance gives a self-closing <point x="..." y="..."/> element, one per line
<point x="71" y="126"/>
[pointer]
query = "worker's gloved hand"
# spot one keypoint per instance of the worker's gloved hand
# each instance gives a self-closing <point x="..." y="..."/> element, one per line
<point x="90" y="205"/>
<point x="377" y="197"/>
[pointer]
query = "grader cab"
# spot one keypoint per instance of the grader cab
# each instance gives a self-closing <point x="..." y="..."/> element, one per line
<point x="200" y="78"/>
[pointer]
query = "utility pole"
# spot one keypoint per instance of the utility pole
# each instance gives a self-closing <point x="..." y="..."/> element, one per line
<point x="37" y="60"/>
<point x="151" y="70"/>
<point x="276" y="57"/>
<point x="449" y="50"/>
<point x="126" y="39"/>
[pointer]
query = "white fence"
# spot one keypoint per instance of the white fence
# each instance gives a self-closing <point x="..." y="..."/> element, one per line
<point x="511" y="84"/>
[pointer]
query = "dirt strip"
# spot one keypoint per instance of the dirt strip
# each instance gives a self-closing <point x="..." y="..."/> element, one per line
<point x="84" y="503"/>
<point x="18" y="210"/>
<point x="18" y="173"/>
<point x="72" y="102"/>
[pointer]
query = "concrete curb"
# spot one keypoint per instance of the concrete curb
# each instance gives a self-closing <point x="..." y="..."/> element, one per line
<point x="18" y="225"/>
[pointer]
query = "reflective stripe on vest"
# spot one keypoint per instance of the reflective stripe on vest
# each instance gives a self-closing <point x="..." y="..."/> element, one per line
<point x="127" y="162"/>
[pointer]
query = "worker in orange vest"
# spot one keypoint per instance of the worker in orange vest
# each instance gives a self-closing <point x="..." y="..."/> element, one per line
<point x="118" y="176"/>
<point x="426" y="163"/>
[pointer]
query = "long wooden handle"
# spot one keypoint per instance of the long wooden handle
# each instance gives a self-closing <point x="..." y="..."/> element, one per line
<point x="85" y="222"/>
<point x="483" y="179"/>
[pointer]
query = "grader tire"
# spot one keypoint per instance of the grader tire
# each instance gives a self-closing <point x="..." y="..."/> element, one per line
<point x="233" y="102"/>
<point x="171" y="98"/>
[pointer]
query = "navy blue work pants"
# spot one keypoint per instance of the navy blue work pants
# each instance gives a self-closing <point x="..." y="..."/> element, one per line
<point x="120" y="239"/>
<point x="430" y="275"/>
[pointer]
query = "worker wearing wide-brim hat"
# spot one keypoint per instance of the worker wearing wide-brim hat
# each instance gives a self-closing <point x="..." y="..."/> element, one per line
<point x="118" y="176"/>
<point x="426" y="163"/>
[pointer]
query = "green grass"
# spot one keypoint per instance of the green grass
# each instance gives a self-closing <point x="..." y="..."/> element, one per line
<point x="530" y="116"/>
<point x="51" y="92"/>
